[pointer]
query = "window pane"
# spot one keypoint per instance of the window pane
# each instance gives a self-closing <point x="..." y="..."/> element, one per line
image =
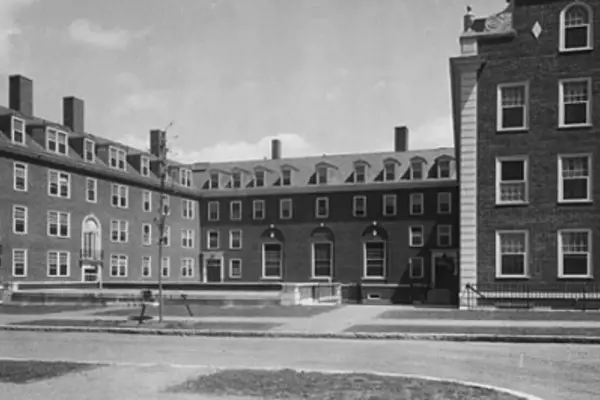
<point x="513" y="264"/>
<point x="575" y="189"/>
<point x="512" y="170"/>
<point x="575" y="264"/>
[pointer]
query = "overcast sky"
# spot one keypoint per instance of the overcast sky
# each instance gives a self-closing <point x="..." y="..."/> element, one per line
<point x="325" y="76"/>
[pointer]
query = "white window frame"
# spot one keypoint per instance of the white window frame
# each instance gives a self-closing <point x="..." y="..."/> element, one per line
<point x="499" y="274"/>
<point x="94" y="190"/>
<point x="14" y="131"/>
<point x="561" y="179"/>
<point x="231" y="274"/>
<point x="212" y="211"/>
<point x="63" y="179"/>
<point x="355" y="201"/>
<point x="441" y="231"/>
<point x="89" y="151"/>
<point x="188" y="209"/>
<point x="499" y="160"/>
<point x="281" y="208"/>
<point x="286" y="177"/>
<point x="59" y="138"/>
<point x="121" y="262"/>
<point x="421" y="166"/>
<point x="59" y="254"/>
<point x="561" y="254"/>
<point x="149" y="266"/>
<point x="322" y="175"/>
<point x="208" y="241"/>
<point x="121" y="194"/>
<point x="147" y="195"/>
<point x="385" y="250"/>
<point x="412" y="236"/>
<point x="314" y="260"/>
<point x="360" y="167"/>
<point x="214" y="180"/>
<point x="122" y="226"/>
<point x="394" y="200"/>
<point x="145" y="166"/>
<point x="389" y="169"/>
<point x="440" y="201"/>
<point x="19" y="208"/>
<point x="60" y="217"/>
<point x="231" y="205"/>
<point x="326" y="214"/>
<point x="188" y="237"/>
<point x="414" y="200"/>
<point x="166" y="204"/>
<point x="231" y="237"/>
<point x="166" y="239"/>
<point x="411" y="268"/>
<point x="185" y="177"/>
<point x="262" y="174"/>
<point x="18" y="169"/>
<point x="187" y="265"/>
<point x="500" y="107"/>
<point x="146" y="238"/>
<point x="444" y="162"/>
<point x="561" y="103"/>
<point x="23" y="252"/>
<point x="165" y="264"/>
<point x="236" y="179"/>
<point x="264" y="263"/>
<point x="117" y="158"/>
<point x="563" y="28"/>
<point x="255" y="208"/>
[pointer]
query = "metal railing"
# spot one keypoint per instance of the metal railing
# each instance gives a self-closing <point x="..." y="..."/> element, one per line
<point x="91" y="255"/>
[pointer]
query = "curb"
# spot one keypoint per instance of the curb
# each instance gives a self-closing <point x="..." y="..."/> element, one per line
<point x="449" y="337"/>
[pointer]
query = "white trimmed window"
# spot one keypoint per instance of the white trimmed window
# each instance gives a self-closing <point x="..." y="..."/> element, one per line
<point x="188" y="209"/>
<point x="322" y="175"/>
<point x="575" y="253"/>
<point x="575" y="106"/>
<point x="359" y="206"/>
<point x="417" y="204"/>
<point x="285" y="208"/>
<point x="258" y="209"/>
<point x="259" y="178"/>
<point x="147" y="201"/>
<point x="89" y="150"/>
<point x="286" y="177"/>
<point x="146" y="266"/>
<point x="416" y="236"/>
<point x="512" y="186"/>
<point x="575" y="180"/>
<point x="214" y="180"/>
<point x="20" y="216"/>
<point x="17" y="131"/>
<point x="235" y="239"/>
<point x="236" y="179"/>
<point x="513" y="106"/>
<point x="389" y="205"/>
<point x="117" y="158"/>
<point x="416" y="268"/>
<point x="118" y="265"/>
<point x="576" y="29"/>
<point x="212" y="240"/>
<point x="360" y="173"/>
<point x="187" y="267"/>
<point x="374" y="256"/>
<point x="416" y="170"/>
<point x="19" y="263"/>
<point x="119" y="231"/>
<point x="20" y="177"/>
<point x="58" y="263"/>
<point x="322" y="207"/>
<point x="389" y="171"/>
<point x="57" y="142"/>
<point x="145" y="166"/>
<point x="91" y="190"/>
<point x="272" y="260"/>
<point x="187" y="238"/>
<point x="166" y="238"/>
<point x="165" y="267"/>
<point x="444" y="169"/>
<point x="322" y="260"/>
<point x="235" y="268"/>
<point x="444" y="235"/>
<point x="235" y="210"/>
<point x="59" y="184"/>
<point x="119" y="195"/>
<point x="512" y="249"/>
<point x="185" y="177"/>
<point x="166" y="204"/>
<point x="213" y="210"/>
<point x="147" y="234"/>
<point x="59" y="224"/>
<point x="444" y="203"/>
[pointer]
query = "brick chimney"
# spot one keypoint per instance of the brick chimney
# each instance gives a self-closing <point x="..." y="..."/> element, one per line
<point x="20" y="96"/>
<point x="73" y="113"/>
<point x="401" y="139"/>
<point x="157" y="140"/>
<point x="275" y="149"/>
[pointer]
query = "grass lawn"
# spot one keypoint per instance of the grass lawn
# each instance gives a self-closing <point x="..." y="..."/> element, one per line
<point x="41" y="308"/>
<point x="215" y="311"/>
<point x="501" y="330"/>
<point x="17" y="371"/>
<point x="289" y="384"/>
<point x="493" y="315"/>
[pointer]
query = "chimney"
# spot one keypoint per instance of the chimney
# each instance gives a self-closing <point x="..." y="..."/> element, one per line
<point x="401" y="139"/>
<point x="20" y="97"/>
<point x="275" y="149"/>
<point x="157" y="141"/>
<point x="73" y="113"/>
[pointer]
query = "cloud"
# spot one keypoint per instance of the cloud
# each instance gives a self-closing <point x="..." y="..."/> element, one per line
<point x="9" y="28"/>
<point x="84" y="31"/>
<point x="437" y="132"/>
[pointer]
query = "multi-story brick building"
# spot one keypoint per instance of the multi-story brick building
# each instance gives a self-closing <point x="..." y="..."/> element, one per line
<point x="77" y="207"/>
<point x="525" y="94"/>
<point x="387" y="221"/>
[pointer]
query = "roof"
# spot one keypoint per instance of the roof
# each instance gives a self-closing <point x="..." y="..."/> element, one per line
<point x="499" y="24"/>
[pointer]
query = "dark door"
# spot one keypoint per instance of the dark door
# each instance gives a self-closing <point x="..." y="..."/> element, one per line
<point x="213" y="269"/>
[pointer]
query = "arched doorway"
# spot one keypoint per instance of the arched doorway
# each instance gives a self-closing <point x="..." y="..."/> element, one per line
<point x="91" y="250"/>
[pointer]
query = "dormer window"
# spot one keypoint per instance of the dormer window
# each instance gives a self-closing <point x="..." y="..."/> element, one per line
<point x="89" y="150"/>
<point x="360" y="173"/>
<point x="117" y="158"/>
<point x="56" y="141"/>
<point x="259" y="178"/>
<point x="576" y="28"/>
<point x="145" y="166"/>
<point x="185" y="177"/>
<point x="321" y="175"/>
<point x="236" y="179"/>
<point x="443" y="169"/>
<point x="416" y="170"/>
<point x="389" y="172"/>
<point x="17" y="130"/>
<point x="286" y="177"/>
<point x="214" y="180"/>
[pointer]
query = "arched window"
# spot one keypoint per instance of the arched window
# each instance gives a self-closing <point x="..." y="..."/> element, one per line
<point x="576" y="28"/>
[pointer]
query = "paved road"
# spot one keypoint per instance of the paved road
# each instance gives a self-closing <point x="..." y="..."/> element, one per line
<point x="553" y="372"/>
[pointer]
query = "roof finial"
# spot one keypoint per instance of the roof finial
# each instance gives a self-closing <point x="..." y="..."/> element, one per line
<point x="468" y="19"/>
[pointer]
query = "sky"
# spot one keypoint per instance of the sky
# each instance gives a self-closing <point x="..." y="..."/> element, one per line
<point x="323" y="76"/>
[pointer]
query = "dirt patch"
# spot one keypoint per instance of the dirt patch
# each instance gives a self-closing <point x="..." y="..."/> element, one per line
<point x="22" y="372"/>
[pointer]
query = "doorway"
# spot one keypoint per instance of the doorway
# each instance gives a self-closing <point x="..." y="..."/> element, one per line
<point x="213" y="267"/>
<point x="90" y="273"/>
<point x="443" y="272"/>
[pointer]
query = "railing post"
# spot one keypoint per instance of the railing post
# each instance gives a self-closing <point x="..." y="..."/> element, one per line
<point x="584" y="301"/>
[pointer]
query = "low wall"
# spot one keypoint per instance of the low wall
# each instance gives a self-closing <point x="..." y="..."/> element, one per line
<point x="140" y="285"/>
<point x="382" y="293"/>
<point x="311" y="293"/>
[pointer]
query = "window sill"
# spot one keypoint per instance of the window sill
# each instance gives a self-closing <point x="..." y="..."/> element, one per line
<point x="508" y="277"/>
<point x="269" y="278"/>
<point x="564" y="50"/>
<point x="514" y="204"/>
<point x="373" y="278"/>
<point x="575" y="202"/>
<point x="564" y="127"/>
<point x="575" y="277"/>
<point x="521" y="129"/>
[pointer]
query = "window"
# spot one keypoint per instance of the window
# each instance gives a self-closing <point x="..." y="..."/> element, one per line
<point x="17" y="130"/>
<point x="322" y="260"/>
<point x="444" y="235"/>
<point x="166" y="204"/>
<point x="91" y="190"/>
<point x="576" y="28"/>
<point x="146" y="266"/>
<point x="511" y="254"/>
<point x="119" y="195"/>
<point x="145" y="166"/>
<point x="235" y="268"/>
<point x="359" y="206"/>
<point x="89" y="150"/>
<point x="374" y="260"/>
<point x="165" y="267"/>
<point x="59" y="184"/>
<point x="389" y="205"/>
<point x="272" y="260"/>
<point x="118" y="265"/>
<point x="187" y="267"/>
<point x="259" y="178"/>
<point x="322" y="207"/>
<point x="513" y="106"/>
<point x="166" y="237"/>
<point x="575" y="102"/>
<point x="147" y="201"/>
<point x="285" y="209"/>
<point x="416" y="268"/>
<point x="58" y="263"/>
<point x="511" y="181"/>
<point x="19" y="263"/>
<point x="286" y="177"/>
<point x="575" y="253"/>
<point x="444" y="201"/>
<point x="416" y="238"/>
<point x="214" y="179"/>
<point x="444" y="169"/>
<point x="59" y="224"/>
<point x="146" y="234"/>
<point x="57" y="141"/>
<point x="389" y="172"/>
<point x="321" y="175"/>
<point x="416" y="170"/>
<point x="187" y="209"/>
<point x="258" y="209"/>
<point x="574" y="173"/>
<point x="212" y="242"/>
<point x="20" y="220"/>
<point x="416" y="204"/>
<point x="119" y="230"/>
<point x="235" y="210"/>
<point x="185" y="177"/>
<point x="236" y="179"/>
<point x="235" y="239"/>
<point x="20" y="175"/>
<point x="187" y="238"/>
<point x="360" y="172"/>
<point x="213" y="211"/>
<point x="117" y="158"/>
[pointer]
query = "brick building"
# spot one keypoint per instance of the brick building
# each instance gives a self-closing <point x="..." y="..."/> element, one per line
<point x="385" y="220"/>
<point x="77" y="207"/>
<point x="525" y="94"/>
